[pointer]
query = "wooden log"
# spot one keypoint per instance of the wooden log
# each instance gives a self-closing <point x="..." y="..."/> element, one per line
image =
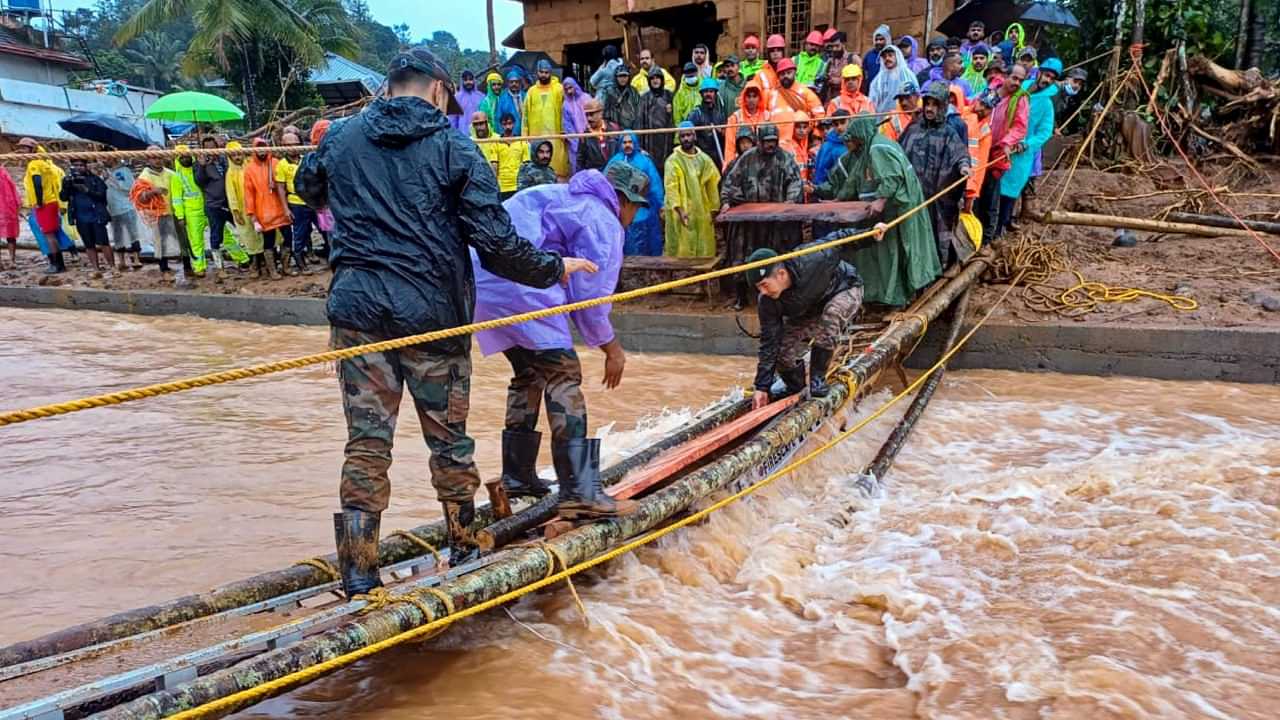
<point x="1225" y="222"/>
<point x="519" y="567"/>
<point x="1060" y="217"/>
<point x="268" y="585"/>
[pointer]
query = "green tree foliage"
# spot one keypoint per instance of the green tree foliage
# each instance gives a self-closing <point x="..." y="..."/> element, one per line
<point x="445" y="47"/>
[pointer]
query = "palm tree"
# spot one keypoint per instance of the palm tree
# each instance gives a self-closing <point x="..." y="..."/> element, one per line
<point x="156" y="58"/>
<point x="306" y="29"/>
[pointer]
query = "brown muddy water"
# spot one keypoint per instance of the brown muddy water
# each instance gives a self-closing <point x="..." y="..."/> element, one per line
<point x="1046" y="546"/>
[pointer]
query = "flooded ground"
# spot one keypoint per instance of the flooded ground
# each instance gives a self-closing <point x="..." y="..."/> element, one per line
<point x="1046" y="546"/>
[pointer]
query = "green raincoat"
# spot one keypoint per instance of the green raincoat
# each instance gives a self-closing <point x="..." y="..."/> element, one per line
<point x="906" y="260"/>
<point x="809" y="68"/>
<point x="692" y="182"/>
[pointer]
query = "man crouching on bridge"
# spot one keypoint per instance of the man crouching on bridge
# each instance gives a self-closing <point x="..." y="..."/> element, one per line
<point x="813" y="297"/>
<point x="587" y="218"/>
<point x="408" y="196"/>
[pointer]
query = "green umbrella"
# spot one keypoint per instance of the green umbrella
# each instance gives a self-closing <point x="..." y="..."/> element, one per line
<point x="193" y="107"/>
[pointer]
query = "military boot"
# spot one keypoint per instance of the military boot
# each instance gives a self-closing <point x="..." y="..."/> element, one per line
<point x="819" y="360"/>
<point x="520" y="464"/>
<point x="582" y="494"/>
<point x="458" y="517"/>
<point x="356" y="534"/>
<point x="793" y="382"/>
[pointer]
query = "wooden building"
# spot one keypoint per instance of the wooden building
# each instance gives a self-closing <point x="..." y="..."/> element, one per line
<point x="576" y="31"/>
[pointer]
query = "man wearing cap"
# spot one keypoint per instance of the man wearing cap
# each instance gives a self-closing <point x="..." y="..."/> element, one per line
<point x="687" y="96"/>
<point x="710" y="114"/>
<point x="655" y="114"/>
<point x="641" y="81"/>
<point x="621" y="101"/>
<point x="851" y="99"/>
<point x="764" y="174"/>
<point x="791" y="95"/>
<point x="469" y="99"/>
<point x="692" y="183"/>
<point x="408" y="197"/>
<point x="811" y="66"/>
<point x="940" y="157"/>
<point x="838" y="58"/>
<point x="832" y="149"/>
<point x="976" y="68"/>
<point x="595" y="151"/>
<point x="908" y="104"/>
<point x="702" y="61"/>
<point x="1027" y="59"/>
<point x="544" y="115"/>
<point x="814" y="299"/>
<point x="1068" y="99"/>
<point x="751" y="60"/>
<point x="731" y="83"/>
<point x="585" y="218"/>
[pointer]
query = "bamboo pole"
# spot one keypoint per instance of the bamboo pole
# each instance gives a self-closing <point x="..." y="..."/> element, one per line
<point x="1225" y="222"/>
<point x="879" y="467"/>
<point x="265" y="586"/>
<point x="520" y="567"/>
<point x="1059" y="217"/>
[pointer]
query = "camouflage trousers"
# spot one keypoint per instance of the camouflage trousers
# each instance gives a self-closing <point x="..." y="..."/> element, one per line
<point x="824" y="330"/>
<point x="555" y="374"/>
<point x="372" y="386"/>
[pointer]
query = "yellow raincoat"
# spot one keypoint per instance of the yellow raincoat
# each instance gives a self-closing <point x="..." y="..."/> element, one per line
<point x="511" y="155"/>
<point x="544" y="115"/>
<point x="51" y="192"/>
<point x="692" y="182"/>
<point x="249" y="238"/>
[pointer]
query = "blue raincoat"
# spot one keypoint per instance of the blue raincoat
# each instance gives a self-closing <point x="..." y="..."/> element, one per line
<point x="577" y="219"/>
<point x="1039" y="130"/>
<point x="829" y="154"/>
<point x="644" y="236"/>
<point x="509" y="103"/>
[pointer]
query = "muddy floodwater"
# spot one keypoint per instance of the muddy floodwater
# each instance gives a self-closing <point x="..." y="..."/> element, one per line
<point x="1045" y="547"/>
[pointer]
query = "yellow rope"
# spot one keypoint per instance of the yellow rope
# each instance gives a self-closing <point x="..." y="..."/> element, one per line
<point x="14" y="417"/>
<point x="552" y="556"/>
<point x="248" y="696"/>
<point x="420" y="543"/>
<point x="323" y="566"/>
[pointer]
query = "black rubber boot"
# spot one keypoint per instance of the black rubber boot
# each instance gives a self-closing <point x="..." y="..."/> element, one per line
<point x="740" y="296"/>
<point x="356" y="535"/>
<point x="582" y="494"/>
<point x="458" y="517"/>
<point x="793" y="378"/>
<point x="60" y="261"/>
<point x="520" y="464"/>
<point x="819" y="360"/>
<point x="53" y="265"/>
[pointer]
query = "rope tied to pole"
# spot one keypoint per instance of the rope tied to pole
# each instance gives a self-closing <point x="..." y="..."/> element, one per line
<point x="423" y="544"/>
<point x="323" y="566"/>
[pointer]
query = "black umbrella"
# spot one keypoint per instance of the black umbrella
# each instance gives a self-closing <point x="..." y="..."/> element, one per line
<point x="999" y="14"/>
<point x="106" y="129"/>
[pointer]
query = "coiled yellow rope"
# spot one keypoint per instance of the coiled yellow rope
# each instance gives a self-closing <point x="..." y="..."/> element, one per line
<point x="251" y="695"/>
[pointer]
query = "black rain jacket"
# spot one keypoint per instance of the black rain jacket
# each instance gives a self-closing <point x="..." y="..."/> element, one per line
<point x="815" y="279"/>
<point x="408" y="196"/>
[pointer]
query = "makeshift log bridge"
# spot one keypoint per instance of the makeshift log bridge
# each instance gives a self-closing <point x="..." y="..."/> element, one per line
<point x="721" y="461"/>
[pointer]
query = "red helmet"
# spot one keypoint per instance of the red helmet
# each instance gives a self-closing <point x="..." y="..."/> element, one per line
<point x="785" y="64"/>
<point x="776" y="41"/>
<point x="814" y="38"/>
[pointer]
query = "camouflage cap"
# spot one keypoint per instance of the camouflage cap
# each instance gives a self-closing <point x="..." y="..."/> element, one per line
<point x="768" y="130"/>
<point x="629" y="181"/>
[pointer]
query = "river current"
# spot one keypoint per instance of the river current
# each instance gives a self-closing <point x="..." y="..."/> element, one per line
<point x="1045" y="546"/>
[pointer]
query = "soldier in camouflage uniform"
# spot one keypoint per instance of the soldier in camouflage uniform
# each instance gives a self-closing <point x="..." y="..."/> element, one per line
<point x="409" y="195"/>
<point x="811" y="298"/>
<point x="763" y="174"/>
<point x="585" y="217"/>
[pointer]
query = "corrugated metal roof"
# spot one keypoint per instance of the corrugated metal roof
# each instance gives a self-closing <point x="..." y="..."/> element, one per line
<point x="337" y="69"/>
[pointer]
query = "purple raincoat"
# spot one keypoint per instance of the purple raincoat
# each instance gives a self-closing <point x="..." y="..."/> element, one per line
<point x="575" y="117"/>
<point x="470" y="103"/>
<point x="578" y="219"/>
<point x="916" y="63"/>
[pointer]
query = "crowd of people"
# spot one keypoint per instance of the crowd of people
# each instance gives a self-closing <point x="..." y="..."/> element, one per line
<point x="890" y="123"/>
<point x="193" y="212"/>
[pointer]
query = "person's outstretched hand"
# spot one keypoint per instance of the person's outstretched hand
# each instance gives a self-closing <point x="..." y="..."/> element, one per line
<point x="614" y="362"/>
<point x="576" y="265"/>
